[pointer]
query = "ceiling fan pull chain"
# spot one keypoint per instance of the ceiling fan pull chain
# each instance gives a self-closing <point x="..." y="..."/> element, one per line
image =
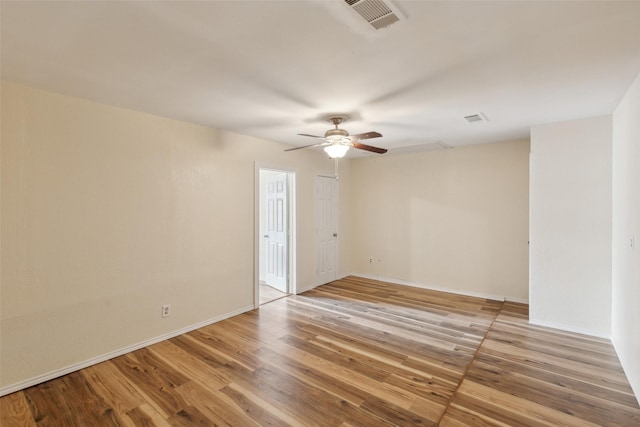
<point x="336" y="168"/>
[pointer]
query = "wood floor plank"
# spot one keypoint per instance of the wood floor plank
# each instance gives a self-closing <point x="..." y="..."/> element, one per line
<point x="503" y="368"/>
<point x="422" y="349"/>
<point x="108" y="382"/>
<point x="565" y="400"/>
<point x="148" y="416"/>
<point x="433" y="389"/>
<point x="69" y="401"/>
<point x="225" y="352"/>
<point x="294" y="397"/>
<point x="400" y="416"/>
<point x="192" y="367"/>
<point x="259" y="409"/>
<point x="576" y="349"/>
<point x="213" y="406"/>
<point x="592" y="374"/>
<point x="316" y="377"/>
<point x="459" y="416"/>
<point x="337" y="372"/>
<point x="224" y="366"/>
<point x="14" y="409"/>
<point x="427" y="409"/>
<point x="355" y="352"/>
<point x="190" y="416"/>
<point x="508" y="405"/>
<point x="157" y="381"/>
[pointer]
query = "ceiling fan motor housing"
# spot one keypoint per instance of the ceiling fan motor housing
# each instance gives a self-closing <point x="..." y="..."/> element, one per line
<point x="336" y="133"/>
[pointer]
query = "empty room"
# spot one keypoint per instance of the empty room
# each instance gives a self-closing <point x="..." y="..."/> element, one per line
<point x="320" y="213"/>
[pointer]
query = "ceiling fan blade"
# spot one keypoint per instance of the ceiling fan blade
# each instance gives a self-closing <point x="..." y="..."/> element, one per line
<point x="366" y="135"/>
<point x="369" y="148"/>
<point x="306" y="146"/>
<point x="312" y="136"/>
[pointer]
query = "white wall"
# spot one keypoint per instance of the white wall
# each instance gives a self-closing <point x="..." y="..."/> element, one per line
<point x="107" y="214"/>
<point x="570" y="226"/>
<point x="625" y="328"/>
<point x="454" y="219"/>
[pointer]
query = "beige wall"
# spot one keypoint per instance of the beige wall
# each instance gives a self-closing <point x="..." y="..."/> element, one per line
<point x="107" y="214"/>
<point x="625" y="326"/>
<point x="570" y="279"/>
<point x="454" y="219"/>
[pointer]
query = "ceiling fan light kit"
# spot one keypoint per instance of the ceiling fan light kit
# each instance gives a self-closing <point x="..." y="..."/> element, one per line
<point x="336" y="151"/>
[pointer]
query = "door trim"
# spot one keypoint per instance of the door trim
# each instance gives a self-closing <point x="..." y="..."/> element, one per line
<point x="292" y="284"/>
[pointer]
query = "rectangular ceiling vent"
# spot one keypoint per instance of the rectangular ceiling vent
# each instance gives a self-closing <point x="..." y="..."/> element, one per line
<point x="379" y="14"/>
<point x="476" y="118"/>
<point x="443" y="145"/>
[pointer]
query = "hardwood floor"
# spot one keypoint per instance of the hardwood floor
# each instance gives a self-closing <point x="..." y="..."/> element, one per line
<point x="354" y="352"/>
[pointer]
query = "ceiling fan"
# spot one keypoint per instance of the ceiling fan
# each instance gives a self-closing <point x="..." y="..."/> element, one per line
<point x="338" y="141"/>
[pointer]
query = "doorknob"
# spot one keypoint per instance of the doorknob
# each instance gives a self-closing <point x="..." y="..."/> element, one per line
<point x="266" y="235"/>
<point x="335" y="234"/>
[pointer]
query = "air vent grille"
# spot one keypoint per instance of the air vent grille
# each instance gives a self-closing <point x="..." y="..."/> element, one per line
<point x="385" y="21"/>
<point x="476" y="118"/>
<point x="379" y="14"/>
<point x="371" y="9"/>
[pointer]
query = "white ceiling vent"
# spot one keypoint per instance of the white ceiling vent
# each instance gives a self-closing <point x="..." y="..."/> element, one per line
<point x="443" y="145"/>
<point x="379" y="14"/>
<point x="476" y="118"/>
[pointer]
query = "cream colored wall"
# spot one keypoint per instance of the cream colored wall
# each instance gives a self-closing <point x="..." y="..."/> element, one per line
<point x="107" y="214"/>
<point x="454" y="219"/>
<point x="625" y="284"/>
<point x="570" y="279"/>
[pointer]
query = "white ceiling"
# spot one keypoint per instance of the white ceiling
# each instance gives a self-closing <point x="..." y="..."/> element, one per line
<point x="272" y="69"/>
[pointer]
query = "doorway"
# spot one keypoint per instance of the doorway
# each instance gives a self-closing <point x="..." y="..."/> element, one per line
<point x="276" y="237"/>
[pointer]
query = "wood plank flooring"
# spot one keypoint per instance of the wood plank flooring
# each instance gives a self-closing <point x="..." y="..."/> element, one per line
<point x="355" y="352"/>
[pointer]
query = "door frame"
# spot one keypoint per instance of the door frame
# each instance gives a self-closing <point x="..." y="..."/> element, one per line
<point x="291" y="224"/>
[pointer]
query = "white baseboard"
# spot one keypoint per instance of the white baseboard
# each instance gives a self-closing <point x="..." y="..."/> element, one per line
<point x="518" y="300"/>
<point x="104" y="357"/>
<point x="626" y="367"/>
<point x="301" y="291"/>
<point x="338" y="277"/>
<point x="442" y="289"/>
<point x="568" y="328"/>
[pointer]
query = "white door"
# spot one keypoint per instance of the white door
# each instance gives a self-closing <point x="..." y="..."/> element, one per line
<point x="326" y="229"/>
<point x="276" y="233"/>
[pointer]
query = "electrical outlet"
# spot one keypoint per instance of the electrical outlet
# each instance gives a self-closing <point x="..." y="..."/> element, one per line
<point x="632" y="243"/>
<point x="166" y="310"/>
<point x="370" y="260"/>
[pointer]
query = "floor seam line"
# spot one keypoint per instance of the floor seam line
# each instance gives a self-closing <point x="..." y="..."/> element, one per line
<point x="466" y="371"/>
